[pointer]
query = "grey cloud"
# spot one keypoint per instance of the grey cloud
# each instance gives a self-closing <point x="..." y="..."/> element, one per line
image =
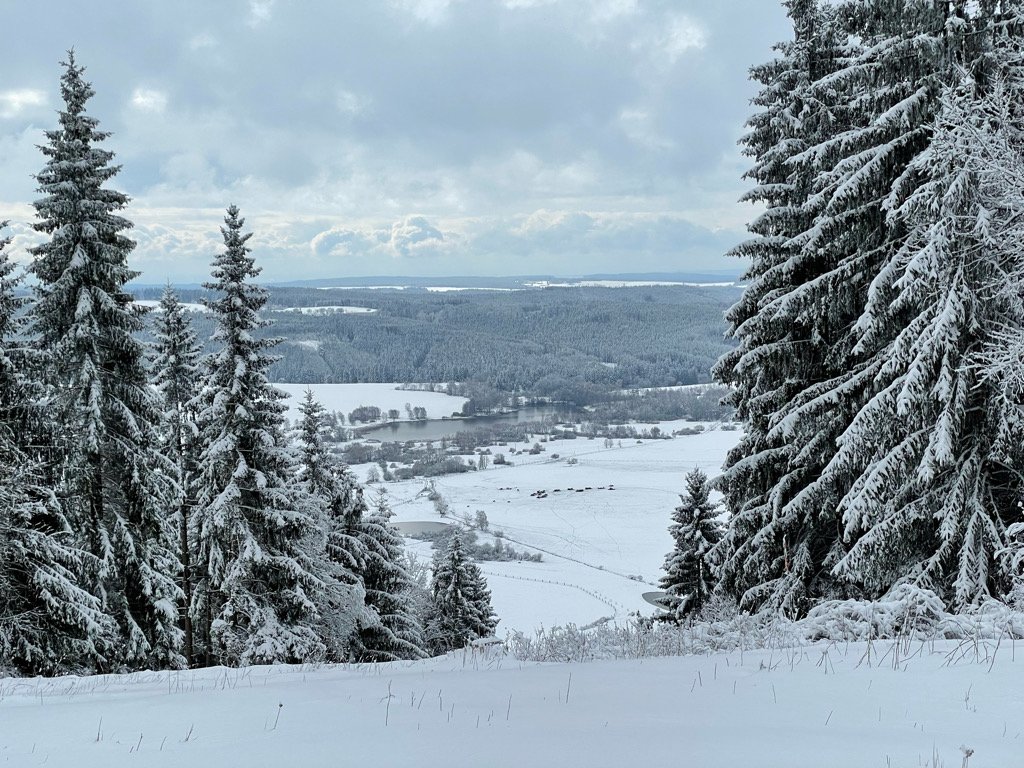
<point x="579" y="241"/>
<point x="450" y="109"/>
<point x="343" y="242"/>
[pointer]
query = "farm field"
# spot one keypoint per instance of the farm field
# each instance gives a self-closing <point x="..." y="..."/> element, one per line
<point x="600" y="523"/>
<point x="346" y="397"/>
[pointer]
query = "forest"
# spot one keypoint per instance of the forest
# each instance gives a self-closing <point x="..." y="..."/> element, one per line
<point x="154" y="511"/>
<point x="569" y="344"/>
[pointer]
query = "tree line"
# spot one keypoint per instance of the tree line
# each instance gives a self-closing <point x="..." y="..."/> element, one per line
<point x="154" y="514"/>
<point x="569" y="344"/>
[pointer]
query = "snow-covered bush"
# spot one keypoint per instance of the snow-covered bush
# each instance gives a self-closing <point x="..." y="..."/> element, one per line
<point x="906" y="613"/>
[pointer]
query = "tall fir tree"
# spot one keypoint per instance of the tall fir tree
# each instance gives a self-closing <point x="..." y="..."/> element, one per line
<point x="339" y="507"/>
<point x="177" y="377"/>
<point x="364" y="552"/>
<point x="936" y="452"/>
<point x="256" y="582"/>
<point x="102" y="453"/>
<point x="461" y="603"/>
<point x="15" y="356"/>
<point x="689" y="578"/>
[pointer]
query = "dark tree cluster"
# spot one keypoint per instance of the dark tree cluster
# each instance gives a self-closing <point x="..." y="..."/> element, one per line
<point x="154" y="511"/>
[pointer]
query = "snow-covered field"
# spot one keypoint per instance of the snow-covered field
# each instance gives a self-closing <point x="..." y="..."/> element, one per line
<point x="154" y="305"/>
<point x="362" y="287"/>
<point x="347" y="397"/>
<point x="820" y="706"/>
<point x="338" y="309"/>
<point x="599" y="522"/>
<point x="624" y="284"/>
<point x="451" y="288"/>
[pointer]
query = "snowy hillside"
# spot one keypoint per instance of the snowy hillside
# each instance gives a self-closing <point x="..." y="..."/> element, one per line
<point x="820" y="706"/>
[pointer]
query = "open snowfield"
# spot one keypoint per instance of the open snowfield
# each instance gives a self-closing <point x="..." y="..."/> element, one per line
<point x="453" y="288"/>
<point x="330" y="310"/>
<point x="624" y="284"/>
<point x="154" y="305"/>
<point x="817" y="707"/>
<point x="603" y="520"/>
<point x="347" y="397"/>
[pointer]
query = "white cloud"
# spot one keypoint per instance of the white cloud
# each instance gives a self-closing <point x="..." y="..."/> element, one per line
<point x="14" y="102"/>
<point x="682" y="34"/>
<point x="432" y="12"/>
<point x="352" y="104"/>
<point x="415" y="235"/>
<point x="201" y="41"/>
<point x="20" y="231"/>
<point x="260" y="11"/>
<point x="610" y="11"/>
<point x="149" y="100"/>
<point x="664" y="41"/>
<point x="638" y="127"/>
<point x="342" y="242"/>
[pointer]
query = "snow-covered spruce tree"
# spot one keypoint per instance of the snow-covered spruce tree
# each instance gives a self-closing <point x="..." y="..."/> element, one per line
<point x="176" y="376"/>
<point x="396" y="633"/>
<point x="461" y="610"/>
<point x="102" y="453"/>
<point x="689" y="576"/>
<point x="346" y="508"/>
<point x="256" y="580"/>
<point x="936" y="453"/>
<point x="863" y="234"/>
<point x="339" y="508"/>
<point x="48" y="623"/>
<point x="790" y="325"/>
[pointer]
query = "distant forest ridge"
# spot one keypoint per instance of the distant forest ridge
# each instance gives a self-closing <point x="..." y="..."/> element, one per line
<point x="574" y="344"/>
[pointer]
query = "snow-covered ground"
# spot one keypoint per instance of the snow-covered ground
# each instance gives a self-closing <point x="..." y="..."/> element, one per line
<point x="597" y="522"/>
<point x="624" y="284"/>
<point x="451" y="288"/>
<point x="346" y="397"/>
<point x="850" y="705"/>
<point x="834" y="706"/>
<point x="338" y="309"/>
<point x="154" y="305"/>
<point x="362" y="287"/>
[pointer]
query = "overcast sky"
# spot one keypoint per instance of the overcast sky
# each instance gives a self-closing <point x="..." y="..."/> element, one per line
<point x="404" y="137"/>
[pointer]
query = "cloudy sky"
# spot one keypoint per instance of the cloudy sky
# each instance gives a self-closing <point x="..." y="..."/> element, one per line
<point x="404" y="137"/>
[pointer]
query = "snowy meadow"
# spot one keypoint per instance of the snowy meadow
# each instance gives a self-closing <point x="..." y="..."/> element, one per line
<point x="839" y="705"/>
